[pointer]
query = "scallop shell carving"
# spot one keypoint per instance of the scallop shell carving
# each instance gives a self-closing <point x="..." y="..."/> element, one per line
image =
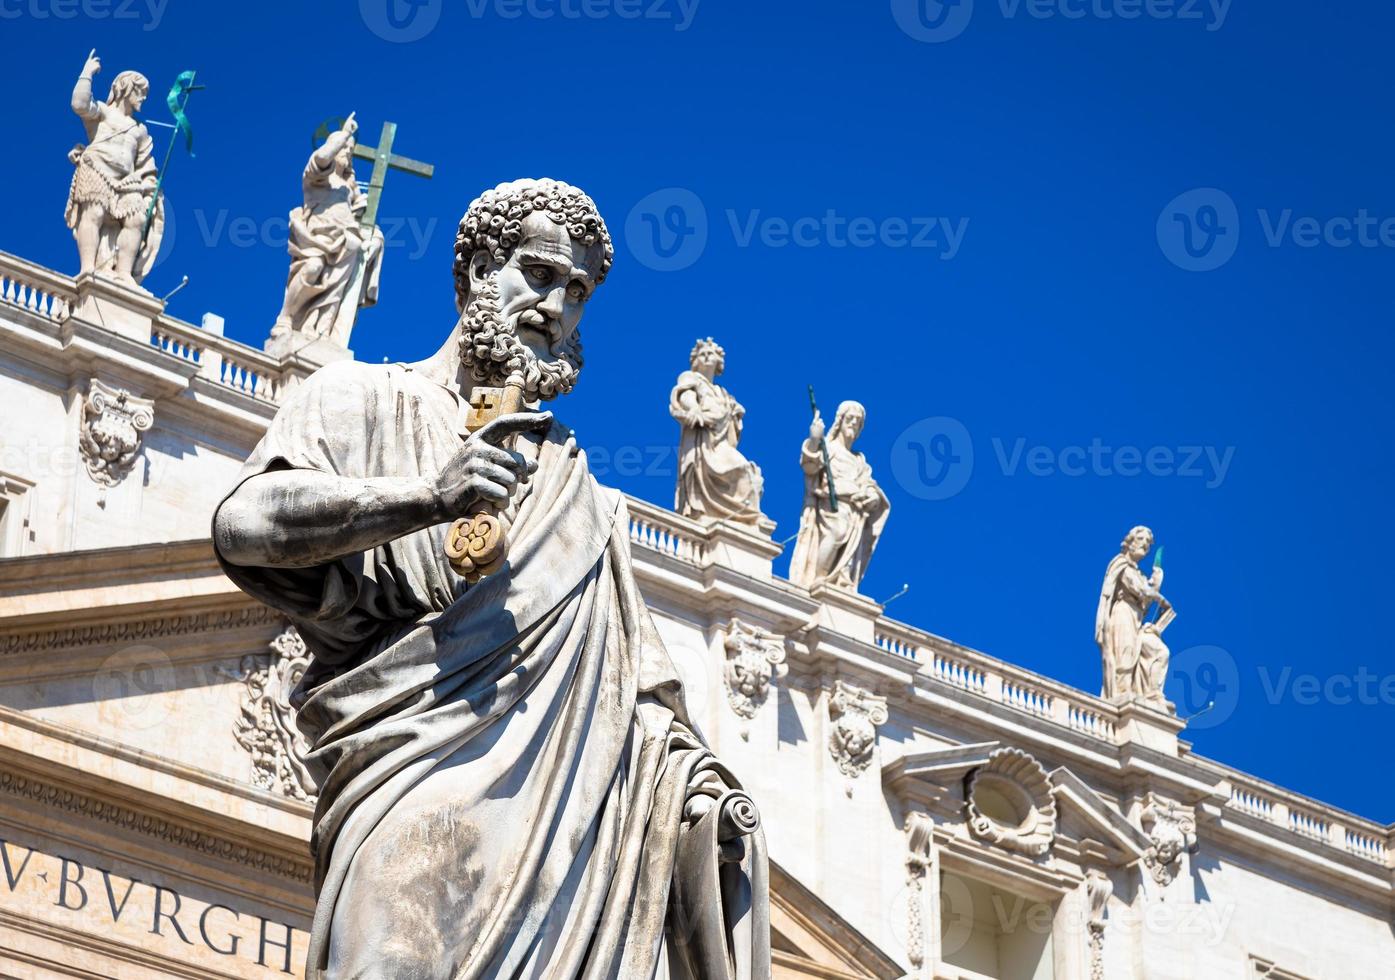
<point x="1019" y="781"/>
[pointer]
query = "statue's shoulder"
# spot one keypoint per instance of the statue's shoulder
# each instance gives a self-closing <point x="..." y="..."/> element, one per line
<point x="344" y="383"/>
<point x="690" y="379"/>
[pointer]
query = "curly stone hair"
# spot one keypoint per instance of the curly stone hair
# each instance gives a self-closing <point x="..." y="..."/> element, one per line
<point x="1139" y="531"/>
<point x="705" y="345"/>
<point x="495" y="218"/>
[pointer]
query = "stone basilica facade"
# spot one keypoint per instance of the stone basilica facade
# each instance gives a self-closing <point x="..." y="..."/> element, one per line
<point x="931" y="811"/>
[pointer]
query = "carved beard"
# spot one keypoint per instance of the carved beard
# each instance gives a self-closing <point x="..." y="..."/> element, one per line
<point x="490" y="348"/>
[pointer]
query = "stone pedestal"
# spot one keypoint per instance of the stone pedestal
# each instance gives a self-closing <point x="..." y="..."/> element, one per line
<point x="1150" y="727"/>
<point x="301" y="357"/>
<point x="847" y="612"/>
<point x="121" y="308"/>
<point x="743" y="548"/>
<point x="319" y="351"/>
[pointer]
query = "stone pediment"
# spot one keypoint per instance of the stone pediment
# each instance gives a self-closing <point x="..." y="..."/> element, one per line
<point x="1004" y="797"/>
<point x="809" y="939"/>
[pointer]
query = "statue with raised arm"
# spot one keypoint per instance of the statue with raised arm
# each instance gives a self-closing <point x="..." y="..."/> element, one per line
<point x="335" y="261"/>
<point x="714" y="479"/>
<point x="1134" y="656"/>
<point x="114" y="179"/>
<point x="509" y="781"/>
<point x="840" y="526"/>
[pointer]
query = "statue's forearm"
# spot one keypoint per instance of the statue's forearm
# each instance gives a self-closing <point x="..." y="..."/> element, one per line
<point x="324" y="156"/>
<point x="301" y="518"/>
<point x="82" y="95"/>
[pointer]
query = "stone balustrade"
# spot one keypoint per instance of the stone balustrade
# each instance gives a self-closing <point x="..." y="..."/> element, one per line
<point x="34" y="288"/>
<point x="224" y="362"/>
<point x="664" y="531"/>
<point x="978" y="673"/>
<point x="1312" y="820"/>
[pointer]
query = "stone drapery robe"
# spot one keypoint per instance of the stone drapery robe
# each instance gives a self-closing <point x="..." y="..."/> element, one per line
<point x="835" y="546"/>
<point x="714" y="479"/>
<point x="335" y="263"/>
<point x="504" y="766"/>
<point x="1134" y="660"/>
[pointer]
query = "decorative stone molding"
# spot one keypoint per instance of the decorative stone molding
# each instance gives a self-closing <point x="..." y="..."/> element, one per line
<point x="72" y="801"/>
<point x="1098" y="888"/>
<point x="113" y="422"/>
<point x="1173" y="833"/>
<point x="134" y="631"/>
<point x="754" y="659"/>
<point x="266" y="728"/>
<point x="855" y="712"/>
<point x="920" y="862"/>
<point x="1010" y="802"/>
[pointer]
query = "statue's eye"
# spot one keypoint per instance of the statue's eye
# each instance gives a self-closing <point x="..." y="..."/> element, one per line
<point x="540" y="273"/>
<point x="576" y="291"/>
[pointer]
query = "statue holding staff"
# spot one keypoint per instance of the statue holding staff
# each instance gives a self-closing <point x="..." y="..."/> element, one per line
<point x="837" y="535"/>
<point x="335" y="261"/>
<point x="115" y="180"/>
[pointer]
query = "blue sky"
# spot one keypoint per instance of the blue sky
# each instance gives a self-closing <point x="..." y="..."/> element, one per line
<point x="1131" y="260"/>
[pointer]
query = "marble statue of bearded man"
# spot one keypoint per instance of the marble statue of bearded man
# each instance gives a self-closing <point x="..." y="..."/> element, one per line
<point x="1133" y="652"/>
<point x="509" y="782"/>
<point x="835" y="545"/>
<point x="335" y="261"/>
<point x="714" y="479"/>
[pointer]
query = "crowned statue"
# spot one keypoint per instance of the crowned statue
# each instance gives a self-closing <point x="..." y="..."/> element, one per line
<point x="844" y="508"/>
<point x="510" y="782"/>
<point x="714" y="479"/>
<point x="1131" y="645"/>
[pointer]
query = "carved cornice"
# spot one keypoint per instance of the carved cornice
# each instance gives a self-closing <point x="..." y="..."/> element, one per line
<point x="201" y="842"/>
<point x="137" y="630"/>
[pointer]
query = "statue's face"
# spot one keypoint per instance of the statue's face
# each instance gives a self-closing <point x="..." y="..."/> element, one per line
<point x="708" y="362"/>
<point x="137" y="98"/>
<point x="1139" y="545"/>
<point x="344" y="162"/>
<point x="544" y="286"/>
<point x="852" y="425"/>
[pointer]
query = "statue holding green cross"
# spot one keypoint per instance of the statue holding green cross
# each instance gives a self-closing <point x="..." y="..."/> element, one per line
<point x="335" y="244"/>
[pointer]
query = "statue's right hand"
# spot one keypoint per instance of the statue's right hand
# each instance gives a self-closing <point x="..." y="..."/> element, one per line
<point x="92" y="65"/>
<point x="816" y="428"/>
<point x="482" y="469"/>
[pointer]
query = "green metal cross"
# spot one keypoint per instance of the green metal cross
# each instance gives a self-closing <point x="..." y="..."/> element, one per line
<point x="383" y="159"/>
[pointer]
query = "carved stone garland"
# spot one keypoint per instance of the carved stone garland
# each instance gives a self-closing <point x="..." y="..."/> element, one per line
<point x="855" y="713"/>
<point x="1098" y="888"/>
<point x="113" y="421"/>
<point x="1010" y="803"/>
<point x="754" y="659"/>
<point x="920" y="859"/>
<point x="266" y="728"/>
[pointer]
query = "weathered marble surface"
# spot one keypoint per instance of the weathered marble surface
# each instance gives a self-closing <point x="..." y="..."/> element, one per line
<point x="714" y="479"/>
<point x="509" y="782"/>
<point x="834" y="546"/>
